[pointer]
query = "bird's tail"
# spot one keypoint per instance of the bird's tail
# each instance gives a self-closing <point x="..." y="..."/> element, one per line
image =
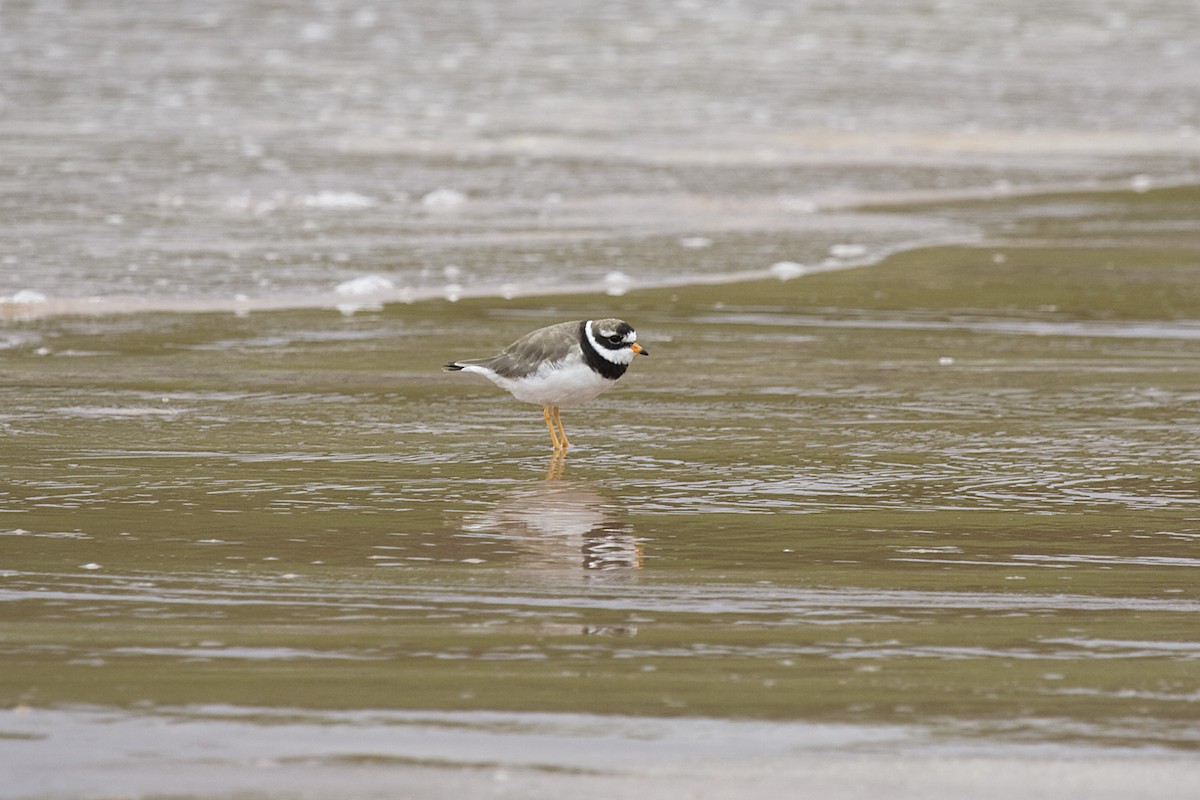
<point x="452" y="367"/>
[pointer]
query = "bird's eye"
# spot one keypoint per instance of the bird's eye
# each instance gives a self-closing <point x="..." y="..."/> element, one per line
<point x="615" y="339"/>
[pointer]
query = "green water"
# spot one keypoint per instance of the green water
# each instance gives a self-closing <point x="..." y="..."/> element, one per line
<point x="959" y="491"/>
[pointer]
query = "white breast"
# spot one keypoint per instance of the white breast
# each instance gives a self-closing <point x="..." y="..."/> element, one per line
<point x="566" y="384"/>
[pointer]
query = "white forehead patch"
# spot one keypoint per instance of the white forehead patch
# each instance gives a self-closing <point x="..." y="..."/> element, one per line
<point x="628" y="338"/>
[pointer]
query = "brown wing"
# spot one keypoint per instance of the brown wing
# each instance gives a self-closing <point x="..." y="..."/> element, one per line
<point x="552" y="343"/>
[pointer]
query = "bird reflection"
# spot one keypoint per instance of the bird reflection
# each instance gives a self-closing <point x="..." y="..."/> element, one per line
<point x="557" y="528"/>
<point x="558" y="525"/>
<point x="558" y="463"/>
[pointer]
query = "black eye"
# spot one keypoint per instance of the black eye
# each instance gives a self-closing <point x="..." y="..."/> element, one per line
<point x="615" y="339"/>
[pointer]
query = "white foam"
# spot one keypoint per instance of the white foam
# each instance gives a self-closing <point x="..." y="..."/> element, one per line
<point x="786" y="270"/>
<point x="25" y="297"/>
<point x="799" y="205"/>
<point x="365" y="286"/>
<point x="617" y="283"/>
<point x="367" y="290"/>
<point x="336" y="201"/>
<point x="444" y="199"/>
<point x="24" y="304"/>
<point x="848" y="250"/>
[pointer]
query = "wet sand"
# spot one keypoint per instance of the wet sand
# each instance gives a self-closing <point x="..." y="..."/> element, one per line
<point x="922" y="529"/>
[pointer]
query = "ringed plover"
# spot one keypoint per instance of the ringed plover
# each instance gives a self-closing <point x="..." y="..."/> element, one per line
<point x="560" y="365"/>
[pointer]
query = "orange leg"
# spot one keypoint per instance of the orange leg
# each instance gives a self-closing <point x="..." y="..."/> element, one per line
<point x="562" y="433"/>
<point x="548" y="412"/>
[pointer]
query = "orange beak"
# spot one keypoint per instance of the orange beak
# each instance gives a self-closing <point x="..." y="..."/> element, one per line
<point x="637" y="348"/>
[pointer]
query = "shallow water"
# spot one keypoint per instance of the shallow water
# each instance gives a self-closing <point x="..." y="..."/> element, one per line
<point x="920" y="520"/>
<point x="965" y="524"/>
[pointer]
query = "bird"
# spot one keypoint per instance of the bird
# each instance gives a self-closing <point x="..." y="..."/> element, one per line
<point x="560" y="366"/>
